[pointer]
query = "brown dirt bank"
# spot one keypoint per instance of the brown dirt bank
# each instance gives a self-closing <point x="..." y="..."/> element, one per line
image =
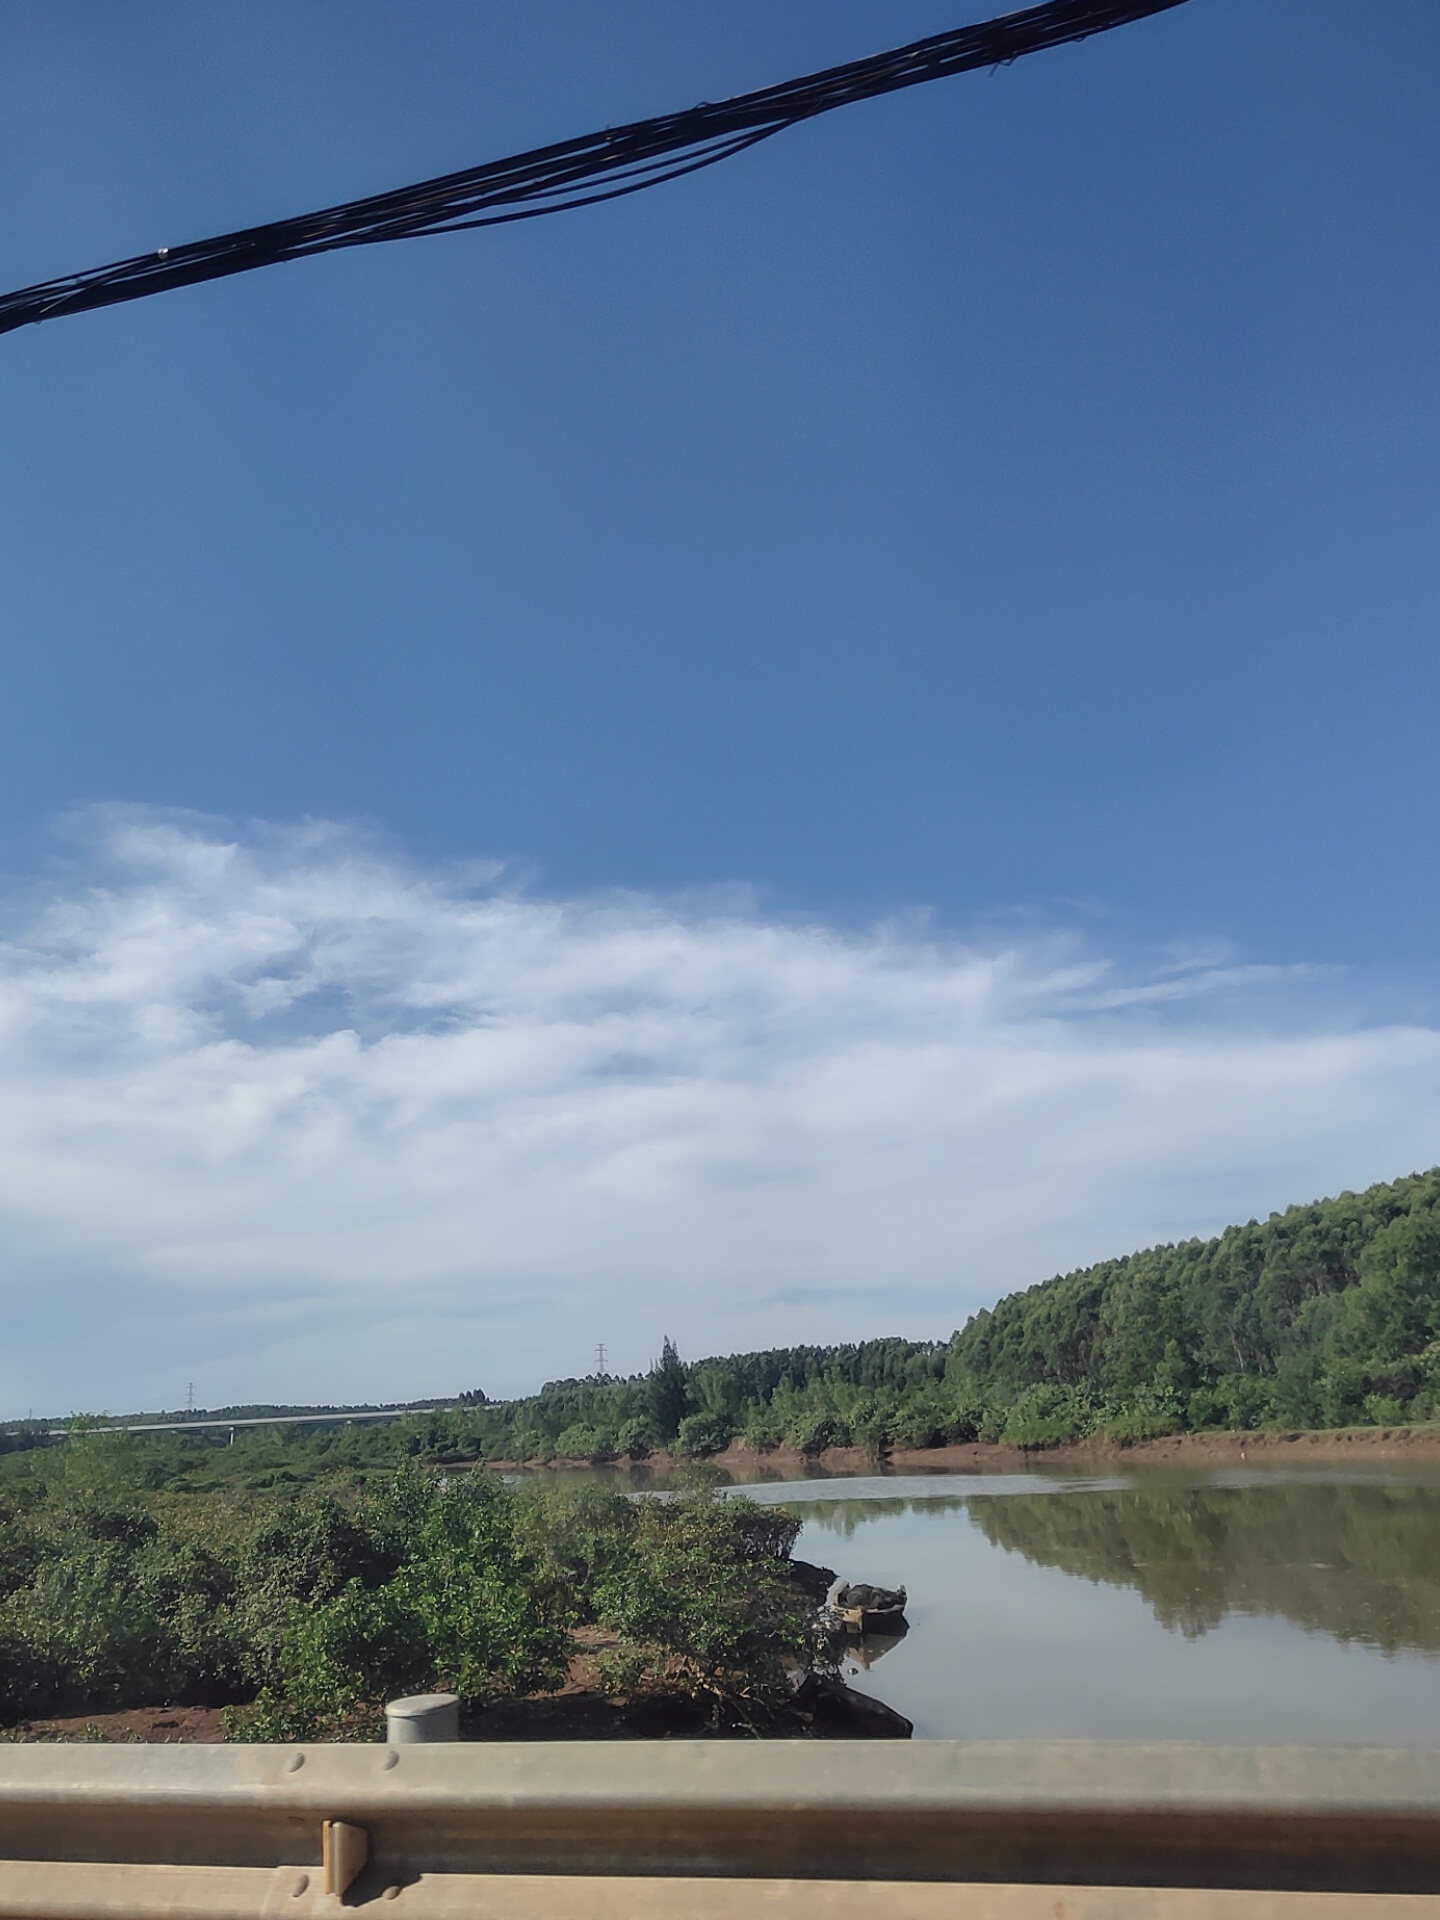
<point x="575" y="1713"/>
<point x="578" y="1710"/>
<point x="1309" y="1447"/>
<point x="143" y="1726"/>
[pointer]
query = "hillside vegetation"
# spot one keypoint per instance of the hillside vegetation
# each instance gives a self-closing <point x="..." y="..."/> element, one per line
<point x="1324" y="1315"/>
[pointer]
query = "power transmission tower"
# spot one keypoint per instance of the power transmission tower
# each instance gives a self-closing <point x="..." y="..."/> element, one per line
<point x="600" y="1358"/>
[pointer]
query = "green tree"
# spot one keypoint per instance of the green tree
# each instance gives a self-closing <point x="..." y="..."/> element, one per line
<point x="706" y="1581"/>
<point x="668" y="1394"/>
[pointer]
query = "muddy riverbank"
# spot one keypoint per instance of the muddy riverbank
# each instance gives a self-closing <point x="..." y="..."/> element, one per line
<point x="580" y="1709"/>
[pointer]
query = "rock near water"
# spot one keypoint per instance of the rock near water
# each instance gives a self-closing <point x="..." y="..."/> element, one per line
<point x="837" y="1712"/>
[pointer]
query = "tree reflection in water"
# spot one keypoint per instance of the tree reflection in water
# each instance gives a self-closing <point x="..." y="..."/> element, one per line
<point x="845" y="1517"/>
<point x="1359" y="1561"/>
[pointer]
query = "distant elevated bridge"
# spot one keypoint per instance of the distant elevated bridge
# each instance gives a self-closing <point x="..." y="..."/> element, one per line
<point x="250" y="1420"/>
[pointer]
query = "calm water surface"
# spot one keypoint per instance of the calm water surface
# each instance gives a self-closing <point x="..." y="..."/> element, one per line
<point x="1236" y="1606"/>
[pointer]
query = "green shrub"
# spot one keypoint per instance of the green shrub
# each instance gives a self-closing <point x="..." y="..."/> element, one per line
<point x="636" y="1439"/>
<point x="707" y="1579"/>
<point x="919" y="1422"/>
<point x="582" y="1442"/>
<point x="811" y="1430"/>
<point x="703" y="1433"/>
<point x="575" y="1536"/>
<point x="1045" y="1416"/>
<point x="1129" y="1424"/>
<point x="1383" y="1410"/>
<point x="335" y="1665"/>
<point x="763" y="1429"/>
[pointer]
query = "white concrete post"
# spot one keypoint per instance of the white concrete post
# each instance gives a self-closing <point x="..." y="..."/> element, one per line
<point x="422" y="1718"/>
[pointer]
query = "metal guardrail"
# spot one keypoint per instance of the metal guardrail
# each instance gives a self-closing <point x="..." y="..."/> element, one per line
<point x="720" y="1830"/>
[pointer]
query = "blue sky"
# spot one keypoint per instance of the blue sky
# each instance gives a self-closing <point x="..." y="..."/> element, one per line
<point x="995" y="521"/>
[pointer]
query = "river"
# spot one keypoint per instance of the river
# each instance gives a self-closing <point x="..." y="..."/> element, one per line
<point x="1236" y="1605"/>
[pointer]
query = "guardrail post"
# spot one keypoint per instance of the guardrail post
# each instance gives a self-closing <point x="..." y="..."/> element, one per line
<point x="344" y="1850"/>
<point x="421" y="1718"/>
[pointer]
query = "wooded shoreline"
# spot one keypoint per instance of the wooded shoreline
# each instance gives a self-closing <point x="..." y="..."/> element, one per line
<point x="1308" y="1446"/>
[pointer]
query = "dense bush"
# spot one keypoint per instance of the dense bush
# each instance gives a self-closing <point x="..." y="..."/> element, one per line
<point x="704" y="1433"/>
<point x="305" y="1610"/>
<point x="706" y="1583"/>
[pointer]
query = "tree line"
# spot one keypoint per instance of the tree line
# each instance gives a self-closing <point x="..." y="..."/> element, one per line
<point x="1325" y="1315"/>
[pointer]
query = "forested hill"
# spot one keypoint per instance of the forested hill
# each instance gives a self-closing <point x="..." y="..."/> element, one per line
<point x="1324" y="1315"/>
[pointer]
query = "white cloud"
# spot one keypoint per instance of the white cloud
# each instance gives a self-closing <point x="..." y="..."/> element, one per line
<point x="287" y="1116"/>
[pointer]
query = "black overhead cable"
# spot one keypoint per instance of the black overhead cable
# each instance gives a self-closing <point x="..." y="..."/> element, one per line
<point x="576" y="173"/>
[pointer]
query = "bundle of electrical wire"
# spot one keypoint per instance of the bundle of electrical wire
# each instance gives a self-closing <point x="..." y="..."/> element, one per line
<point x="576" y="173"/>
